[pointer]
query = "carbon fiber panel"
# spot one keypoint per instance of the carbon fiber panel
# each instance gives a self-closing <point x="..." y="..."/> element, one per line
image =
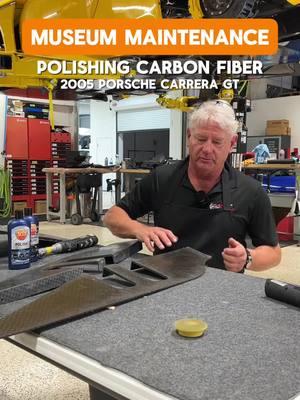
<point x="37" y="281"/>
<point x="87" y="294"/>
<point x="56" y="273"/>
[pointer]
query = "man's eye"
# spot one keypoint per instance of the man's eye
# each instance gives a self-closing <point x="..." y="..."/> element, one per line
<point x="218" y="143"/>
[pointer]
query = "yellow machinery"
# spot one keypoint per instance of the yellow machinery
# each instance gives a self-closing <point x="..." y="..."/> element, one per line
<point x="19" y="70"/>
<point x="91" y="9"/>
<point x="184" y="103"/>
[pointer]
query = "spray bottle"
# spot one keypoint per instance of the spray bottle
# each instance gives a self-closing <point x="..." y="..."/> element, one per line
<point x="18" y="242"/>
<point x="33" y="222"/>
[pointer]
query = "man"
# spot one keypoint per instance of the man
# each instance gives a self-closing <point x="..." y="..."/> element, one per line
<point x="202" y="202"/>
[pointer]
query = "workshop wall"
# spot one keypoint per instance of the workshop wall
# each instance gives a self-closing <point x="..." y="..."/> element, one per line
<point x="84" y="126"/>
<point x="175" y="146"/>
<point x="171" y="119"/>
<point x="103" y="133"/>
<point x="258" y="87"/>
<point x="143" y="119"/>
<point x="104" y="123"/>
<point x="276" y="108"/>
<point x="64" y="115"/>
<point x="83" y="107"/>
<point x="176" y="128"/>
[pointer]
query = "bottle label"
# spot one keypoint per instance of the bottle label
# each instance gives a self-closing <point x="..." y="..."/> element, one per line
<point x="34" y="234"/>
<point x="20" y="236"/>
<point x="20" y="257"/>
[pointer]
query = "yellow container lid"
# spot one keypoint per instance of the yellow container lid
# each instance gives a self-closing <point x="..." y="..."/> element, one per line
<point x="190" y="327"/>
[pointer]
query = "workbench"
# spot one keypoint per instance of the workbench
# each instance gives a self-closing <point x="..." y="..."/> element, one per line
<point x="62" y="173"/>
<point x="281" y="200"/>
<point x="277" y="199"/>
<point x="126" y="172"/>
<point x="250" y="351"/>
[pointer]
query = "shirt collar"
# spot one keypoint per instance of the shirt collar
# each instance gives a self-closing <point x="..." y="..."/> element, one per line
<point x="218" y="187"/>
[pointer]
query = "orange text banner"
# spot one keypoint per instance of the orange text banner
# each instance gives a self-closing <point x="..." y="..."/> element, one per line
<point x="150" y="37"/>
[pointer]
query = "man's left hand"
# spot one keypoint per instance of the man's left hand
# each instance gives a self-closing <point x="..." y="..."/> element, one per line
<point x="234" y="256"/>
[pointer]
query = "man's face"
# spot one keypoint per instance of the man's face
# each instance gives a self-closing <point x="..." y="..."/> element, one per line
<point x="209" y="147"/>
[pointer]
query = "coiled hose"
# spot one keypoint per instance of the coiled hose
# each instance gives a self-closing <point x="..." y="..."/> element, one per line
<point x="5" y="189"/>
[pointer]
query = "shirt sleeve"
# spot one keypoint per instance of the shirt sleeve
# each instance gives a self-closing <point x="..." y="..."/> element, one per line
<point x="262" y="227"/>
<point x="139" y="201"/>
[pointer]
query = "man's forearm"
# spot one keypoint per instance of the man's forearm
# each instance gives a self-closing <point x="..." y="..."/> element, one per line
<point x="264" y="257"/>
<point x="120" y="224"/>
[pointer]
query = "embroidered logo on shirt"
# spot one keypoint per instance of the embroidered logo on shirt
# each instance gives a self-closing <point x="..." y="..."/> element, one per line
<point x="216" y="206"/>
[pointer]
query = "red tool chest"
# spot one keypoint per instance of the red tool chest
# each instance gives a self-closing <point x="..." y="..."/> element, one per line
<point x="16" y="138"/>
<point x="38" y="139"/>
<point x="30" y="147"/>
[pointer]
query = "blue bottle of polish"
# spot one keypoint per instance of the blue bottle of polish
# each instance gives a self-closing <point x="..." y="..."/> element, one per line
<point x="18" y="242"/>
<point x="33" y="222"/>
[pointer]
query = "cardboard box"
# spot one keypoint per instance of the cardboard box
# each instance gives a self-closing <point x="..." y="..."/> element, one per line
<point x="278" y="131"/>
<point x="40" y="207"/>
<point x="18" y="105"/>
<point x="278" y="127"/>
<point x="275" y="123"/>
<point x="18" y="205"/>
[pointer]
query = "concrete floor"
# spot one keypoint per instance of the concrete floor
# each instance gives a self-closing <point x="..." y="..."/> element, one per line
<point x="25" y="377"/>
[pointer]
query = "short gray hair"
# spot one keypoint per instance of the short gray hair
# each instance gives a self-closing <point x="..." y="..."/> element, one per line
<point x="217" y="111"/>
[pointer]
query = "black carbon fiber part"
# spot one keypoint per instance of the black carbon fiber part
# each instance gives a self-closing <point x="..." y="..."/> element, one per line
<point x="113" y="254"/>
<point x="55" y="274"/>
<point x="87" y="294"/>
<point x="36" y="281"/>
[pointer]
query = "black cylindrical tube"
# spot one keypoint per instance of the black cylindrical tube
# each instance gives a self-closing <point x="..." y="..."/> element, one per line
<point x="79" y="243"/>
<point x="282" y="291"/>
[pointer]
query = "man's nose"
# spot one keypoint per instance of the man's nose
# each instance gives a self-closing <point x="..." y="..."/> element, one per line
<point x="207" y="146"/>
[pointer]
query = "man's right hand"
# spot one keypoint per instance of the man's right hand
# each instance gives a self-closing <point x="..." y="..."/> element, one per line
<point x="120" y="224"/>
<point x="155" y="237"/>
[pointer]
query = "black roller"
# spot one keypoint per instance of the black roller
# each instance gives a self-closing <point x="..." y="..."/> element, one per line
<point x="68" y="246"/>
<point x="283" y="292"/>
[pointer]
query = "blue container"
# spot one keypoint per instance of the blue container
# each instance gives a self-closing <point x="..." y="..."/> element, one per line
<point x="18" y="242"/>
<point x="33" y="222"/>
<point x="282" y="184"/>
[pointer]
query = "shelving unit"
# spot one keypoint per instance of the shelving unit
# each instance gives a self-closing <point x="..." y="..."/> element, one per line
<point x="30" y="146"/>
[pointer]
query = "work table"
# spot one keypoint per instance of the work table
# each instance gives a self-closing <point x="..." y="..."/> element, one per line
<point x="295" y="167"/>
<point x="79" y="170"/>
<point x="250" y="350"/>
<point x="63" y="172"/>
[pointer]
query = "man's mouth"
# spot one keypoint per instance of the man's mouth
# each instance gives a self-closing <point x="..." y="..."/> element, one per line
<point x="206" y="160"/>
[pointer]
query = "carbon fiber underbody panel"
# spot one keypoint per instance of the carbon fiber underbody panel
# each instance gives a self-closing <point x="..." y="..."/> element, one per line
<point x="56" y="273"/>
<point x="119" y="285"/>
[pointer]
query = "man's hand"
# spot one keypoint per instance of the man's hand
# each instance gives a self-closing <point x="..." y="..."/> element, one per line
<point x="155" y="237"/>
<point x="120" y="224"/>
<point x="234" y="256"/>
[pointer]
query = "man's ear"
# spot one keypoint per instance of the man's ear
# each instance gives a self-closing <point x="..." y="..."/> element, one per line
<point x="189" y="133"/>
